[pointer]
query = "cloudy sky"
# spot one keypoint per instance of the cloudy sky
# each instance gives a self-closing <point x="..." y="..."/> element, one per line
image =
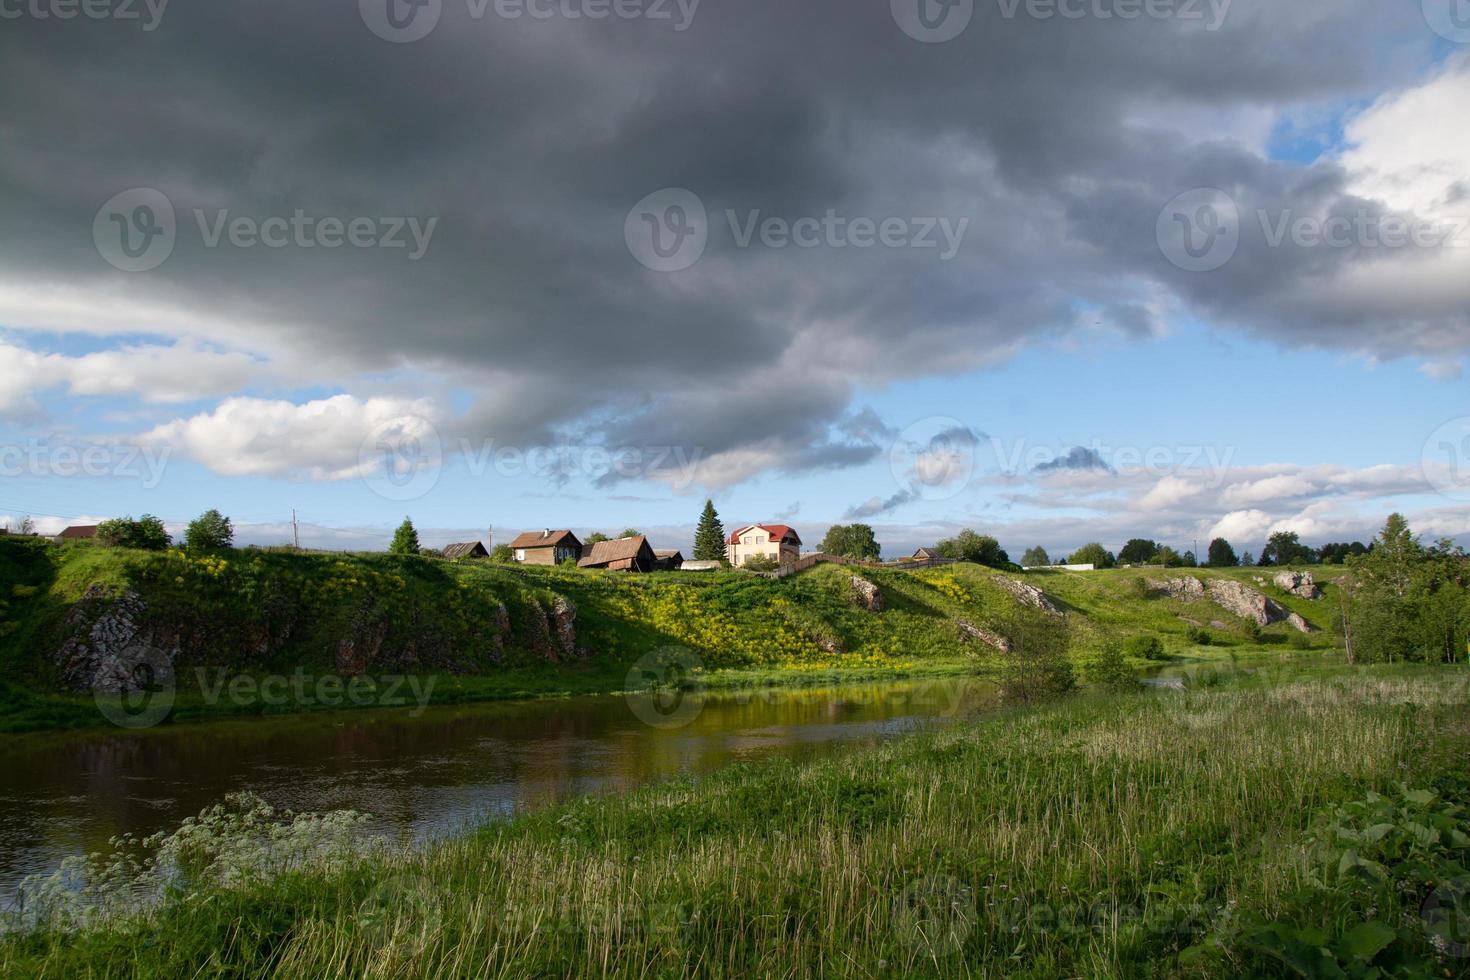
<point x="1060" y="270"/>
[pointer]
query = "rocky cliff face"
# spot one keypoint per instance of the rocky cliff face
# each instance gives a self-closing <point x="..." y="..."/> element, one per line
<point x="109" y="650"/>
<point x="865" y="594"/>
<point x="1029" y="595"/>
<point x="1249" y="604"/>
<point x="1298" y="584"/>
<point x="969" y="631"/>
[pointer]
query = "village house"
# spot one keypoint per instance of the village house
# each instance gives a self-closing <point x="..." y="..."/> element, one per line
<point x="621" y="555"/>
<point x="78" y="532"/>
<point x="546" y="547"/>
<point x="775" y="541"/>
<point x="667" y="560"/>
<point x="925" y="554"/>
<point x="467" y="549"/>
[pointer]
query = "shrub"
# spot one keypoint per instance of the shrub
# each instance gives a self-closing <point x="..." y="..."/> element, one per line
<point x="1200" y="636"/>
<point x="760" y="563"/>
<point x="1109" y="669"/>
<point x="210" y="531"/>
<point x="1145" y="647"/>
<point x="147" y="533"/>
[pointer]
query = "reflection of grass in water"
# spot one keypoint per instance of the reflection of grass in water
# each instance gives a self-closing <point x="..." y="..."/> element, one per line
<point x="1094" y="837"/>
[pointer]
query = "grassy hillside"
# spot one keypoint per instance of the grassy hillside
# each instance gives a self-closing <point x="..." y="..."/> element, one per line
<point x="262" y="611"/>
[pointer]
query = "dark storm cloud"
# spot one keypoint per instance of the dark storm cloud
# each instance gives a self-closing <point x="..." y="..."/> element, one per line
<point x="1077" y="458"/>
<point x="529" y="141"/>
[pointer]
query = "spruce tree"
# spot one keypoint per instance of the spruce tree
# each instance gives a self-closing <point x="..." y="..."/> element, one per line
<point x="709" y="536"/>
<point x="405" y="539"/>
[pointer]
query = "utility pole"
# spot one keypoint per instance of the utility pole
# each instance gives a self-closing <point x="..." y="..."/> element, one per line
<point x="295" y="531"/>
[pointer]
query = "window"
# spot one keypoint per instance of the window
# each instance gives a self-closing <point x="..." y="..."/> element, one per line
<point x="520" y="554"/>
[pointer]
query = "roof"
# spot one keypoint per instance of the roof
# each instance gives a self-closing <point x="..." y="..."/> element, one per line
<point x="667" y="553"/>
<point x="926" y="553"/>
<point x="777" y="531"/>
<point x="80" y="531"/>
<point x="618" y="549"/>
<point x="463" y="550"/>
<point x="544" y="539"/>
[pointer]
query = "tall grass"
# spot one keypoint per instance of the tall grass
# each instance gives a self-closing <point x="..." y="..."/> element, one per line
<point x="1096" y="837"/>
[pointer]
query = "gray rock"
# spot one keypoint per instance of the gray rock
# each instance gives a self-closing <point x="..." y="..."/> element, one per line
<point x="866" y="594"/>
<point x="564" y="625"/>
<point x="1029" y="595"/>
<point x="969" y="631"/>
<point x="1298" y="584"/>
<point x="1249" y="604"/>
<point x="1185" y="587"/>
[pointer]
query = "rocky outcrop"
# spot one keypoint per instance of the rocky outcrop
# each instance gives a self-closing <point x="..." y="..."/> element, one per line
<point x="564" y="625"/>
<point x="538" y="633"/>
<point x="866" y="594"/>
<point x="110" y="650"/>
<point x="1249" y="604"/>
<point x="502" y="631"/>
<point x="1185" y="587"/>
<point x="969" y="631"/>
<point x="359" y="649"/>
<point x="1298" y="584"/>
<point x="1029" y="595"/>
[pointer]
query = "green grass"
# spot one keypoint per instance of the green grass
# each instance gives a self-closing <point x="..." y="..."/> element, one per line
<point x="1196" y="833"/>
<point x="258" y="612"/>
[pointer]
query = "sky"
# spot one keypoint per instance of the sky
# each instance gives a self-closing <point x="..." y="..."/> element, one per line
<point x="1060" y="271"/>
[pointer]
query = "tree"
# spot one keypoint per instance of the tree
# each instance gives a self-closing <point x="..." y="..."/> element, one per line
<point x="147" y="533"/>
<point x="1286" y="548"/>
<point x="1336" y="554"/>
<point x="1035" y="557"/>
<point x="21" y="525"/>
<point x="631" y="532"/>
<point x="1092" y="554"/>
<point x="210" y="531"/>
<point x="1247" y="560"/>
<point x="709" y="535"/>
<point x="1034" y="665"/>
<point x="1402" y="600"/>
<point x="405" y="539"/>
<point x="1190" y="561"/>
<point x="1222" y="555"/>
<point x="1168" y="557"/>
<point x="982" y="549"/>
<point x="595" y="537"/>
<point x="502" y="553"/>
<point x="851" y="541"/>
<point x="1138" y="551"/>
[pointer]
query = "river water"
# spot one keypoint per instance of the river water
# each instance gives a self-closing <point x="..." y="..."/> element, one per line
<point x="429" y="772"/>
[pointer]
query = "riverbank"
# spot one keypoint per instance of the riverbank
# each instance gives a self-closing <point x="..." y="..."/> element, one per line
<point x="1221" y="830"/>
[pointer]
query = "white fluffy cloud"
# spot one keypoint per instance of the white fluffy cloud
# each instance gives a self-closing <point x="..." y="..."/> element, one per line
<point x="328" y="439"/>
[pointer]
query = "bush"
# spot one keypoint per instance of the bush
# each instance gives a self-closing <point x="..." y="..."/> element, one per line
<point x="1145" y="647"/>
<point x="210" y="531"/>
<point x="1200" y="636"/>
<point x="147" y="533"/>
<point x="1109" y="669"/>
<point x="1138" y="588"/>
<point x="760" y="563"/>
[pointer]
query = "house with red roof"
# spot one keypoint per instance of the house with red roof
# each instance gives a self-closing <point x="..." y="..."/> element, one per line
<point x="775" y="541"/>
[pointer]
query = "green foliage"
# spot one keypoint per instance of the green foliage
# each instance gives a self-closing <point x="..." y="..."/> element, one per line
<point x="760" y="563"/>
<point x="1035" y="557"/>
<point x="147" y="533"/>
<point x="1036" y="666"/>
<point x="1222" y="555"/>
<point x="1092" y="554"/>
<point x="502" y="554"/>
<point x="709" y="535"/>
<point x="631" y="532"/>
<point x="594" y="538"/>
<point x="210" y="531"/>
<point x="1405" y="601"/>
<point x="405" y="539"/>
<point x="1145" y="647"/>
<point x="851" y="541"/>
<point x="1139" y="551"/>
<point x="1286" y="548"/>
<point x="1199" y="636"/>
<point x="1336" y="554"/>
<point x="1109" y="669"/>
<point x="1169" y="558"/>
<point x="982" y="549"/>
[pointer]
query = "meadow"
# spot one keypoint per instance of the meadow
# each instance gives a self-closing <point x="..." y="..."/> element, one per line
<point x="1290" y="821"/>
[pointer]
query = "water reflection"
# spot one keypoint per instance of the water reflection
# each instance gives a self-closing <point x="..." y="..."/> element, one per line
<point x="450" y="767"/>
